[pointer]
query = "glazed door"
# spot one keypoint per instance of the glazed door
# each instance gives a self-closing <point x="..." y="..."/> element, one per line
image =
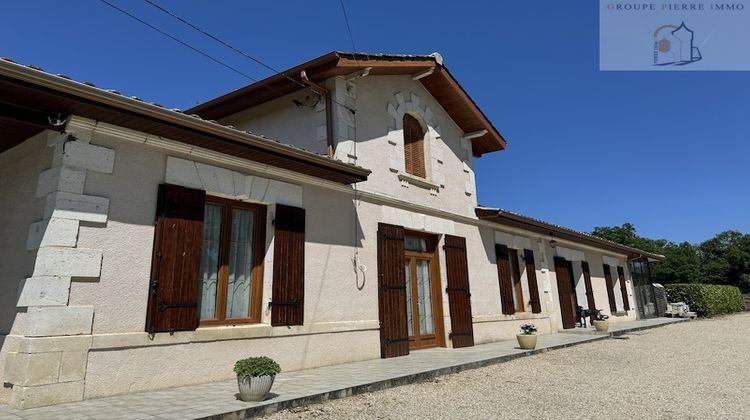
<point x="423" y="312"/>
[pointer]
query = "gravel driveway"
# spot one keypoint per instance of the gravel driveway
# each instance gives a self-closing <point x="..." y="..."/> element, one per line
<point x="698" y="369"/>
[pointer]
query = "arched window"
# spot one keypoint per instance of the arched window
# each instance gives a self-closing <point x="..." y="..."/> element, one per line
<point x="414" y="146"/>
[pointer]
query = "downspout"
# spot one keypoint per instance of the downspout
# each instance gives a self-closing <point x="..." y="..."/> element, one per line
<point x="321" y="90"/>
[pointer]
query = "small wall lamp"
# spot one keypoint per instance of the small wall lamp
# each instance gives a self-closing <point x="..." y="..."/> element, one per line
<point x="553" y="243"/>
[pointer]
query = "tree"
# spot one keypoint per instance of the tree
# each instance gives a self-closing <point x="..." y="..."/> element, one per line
<point x="681" y="264"/>
<point x="626" y="235"/>
<point x="725" y="259"/>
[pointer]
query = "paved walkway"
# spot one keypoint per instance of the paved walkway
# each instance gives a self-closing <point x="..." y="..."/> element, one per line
<point x="217" y="400"/>
<point x="620" y="328"/>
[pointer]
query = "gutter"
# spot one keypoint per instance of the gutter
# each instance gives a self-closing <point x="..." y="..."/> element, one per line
<point x="49" y="81"/>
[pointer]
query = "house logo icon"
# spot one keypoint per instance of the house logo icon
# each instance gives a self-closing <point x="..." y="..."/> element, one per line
<point x="673" y="46"/>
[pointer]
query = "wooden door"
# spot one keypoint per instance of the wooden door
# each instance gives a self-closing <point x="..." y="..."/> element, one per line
<point x="394" y="335"/>
<point x="565" y="292"/>
<point x="423" y="295"/>
<point x="459" y="296"/>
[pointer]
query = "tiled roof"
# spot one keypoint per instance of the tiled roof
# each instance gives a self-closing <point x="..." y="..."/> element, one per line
<point x="175" y="110"/>
<point x="562" y="229"/>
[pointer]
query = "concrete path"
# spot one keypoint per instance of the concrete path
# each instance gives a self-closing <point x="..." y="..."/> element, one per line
<point x="217" y="400"/>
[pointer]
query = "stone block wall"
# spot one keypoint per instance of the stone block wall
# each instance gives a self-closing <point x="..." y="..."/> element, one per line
<point x="46" y="358"/>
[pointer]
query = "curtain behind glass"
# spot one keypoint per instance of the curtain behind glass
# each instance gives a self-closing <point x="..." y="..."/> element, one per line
<point x="240" y="263"/>
<point x="209" y="273"/>
<point x="409" y="315"/>
<point x="426" y="322"/>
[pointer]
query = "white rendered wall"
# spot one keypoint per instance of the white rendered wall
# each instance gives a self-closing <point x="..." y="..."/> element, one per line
<point x="281" y="119"/>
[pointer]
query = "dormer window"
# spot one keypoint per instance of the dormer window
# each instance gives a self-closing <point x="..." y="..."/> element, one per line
<point x="414" y="147"/>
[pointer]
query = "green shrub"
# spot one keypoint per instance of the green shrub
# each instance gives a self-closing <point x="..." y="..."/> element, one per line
<point x="256" y="366"/>
<point x="706" y="299"/>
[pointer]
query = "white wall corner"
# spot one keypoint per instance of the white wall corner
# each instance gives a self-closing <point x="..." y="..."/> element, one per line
<point x="61" y="178"/>
<point x="49" y="321"/>
<point x="52" y="232"/>
<point x="55" y="137"/>
<point x="88" y="156"/>
<point x="68" y="262"/>
<point x="86" y="208"/>
<point x="44" y="291"/>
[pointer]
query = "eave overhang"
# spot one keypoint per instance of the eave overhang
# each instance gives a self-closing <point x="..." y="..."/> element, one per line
<point x="37" y="91"/>
<point x="439" y="83"/>
<point x="506" y="218"/>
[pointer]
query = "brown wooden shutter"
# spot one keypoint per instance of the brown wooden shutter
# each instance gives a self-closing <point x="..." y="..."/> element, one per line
<point x="459" y="296"/>
<point x="589" y="288"/>
<point x="414" y="147"/>
<point x="288" y="290"/>
<point x="175" y="265"/>
<point x="610" y="289"/>
<point x="394" y="331"/>
<point x="506" y="284"/>
<point x="623" y="288"/>
<point x="565" y="293"/>
<point x="536" y="304"/>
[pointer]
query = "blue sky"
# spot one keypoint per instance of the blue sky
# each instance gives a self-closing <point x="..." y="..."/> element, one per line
<point x="667" y="151"/>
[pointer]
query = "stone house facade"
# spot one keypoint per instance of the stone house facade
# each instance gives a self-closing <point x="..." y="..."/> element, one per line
<point x="145" y="248"/>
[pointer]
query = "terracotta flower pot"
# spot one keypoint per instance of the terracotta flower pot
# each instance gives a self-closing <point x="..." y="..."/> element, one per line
<point x="255" y="388"/>
<point x="601" y="325"/>
<point x="526" y="341"/>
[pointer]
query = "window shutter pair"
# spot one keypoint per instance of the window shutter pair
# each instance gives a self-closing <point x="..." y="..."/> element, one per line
<point x="175" y="268"/>
<point x="610" y="289"/>
<point x="506" y="281"/>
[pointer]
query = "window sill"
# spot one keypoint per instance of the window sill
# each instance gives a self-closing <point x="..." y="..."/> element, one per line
<point x="502" y="317"/>
<point x="418" y="182"/>
<point x="222" y="333"/>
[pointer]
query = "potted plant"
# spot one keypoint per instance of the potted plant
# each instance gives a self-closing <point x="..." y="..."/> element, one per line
<point x="255" y="377"/>
<point x="601" y="322"/>
<point x="527" y="338"/>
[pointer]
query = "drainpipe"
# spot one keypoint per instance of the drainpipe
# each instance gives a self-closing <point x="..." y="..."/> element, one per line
<point x="321" y="90"/>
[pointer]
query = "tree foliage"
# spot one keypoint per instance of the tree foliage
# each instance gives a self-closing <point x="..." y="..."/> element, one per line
<point x="723" y="259"/>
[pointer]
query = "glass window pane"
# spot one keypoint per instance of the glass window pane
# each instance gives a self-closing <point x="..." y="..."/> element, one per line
<point x="413" y="243"/>
<point x="409" y="317"/>
<point x="209" y="273"/>
<point x="239" y="281"/>
<point x="426" y="323"/>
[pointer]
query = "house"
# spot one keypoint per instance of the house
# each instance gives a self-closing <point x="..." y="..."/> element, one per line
<point x="144" y="248"/>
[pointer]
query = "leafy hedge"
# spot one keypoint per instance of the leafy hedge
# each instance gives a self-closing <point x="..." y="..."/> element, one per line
<point x="706" y="299"/>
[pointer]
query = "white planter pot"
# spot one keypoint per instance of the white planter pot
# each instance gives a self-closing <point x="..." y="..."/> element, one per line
<point x="601" y="325"/>
<point x="255" y="388"/>
<point x="526" y="341"/>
